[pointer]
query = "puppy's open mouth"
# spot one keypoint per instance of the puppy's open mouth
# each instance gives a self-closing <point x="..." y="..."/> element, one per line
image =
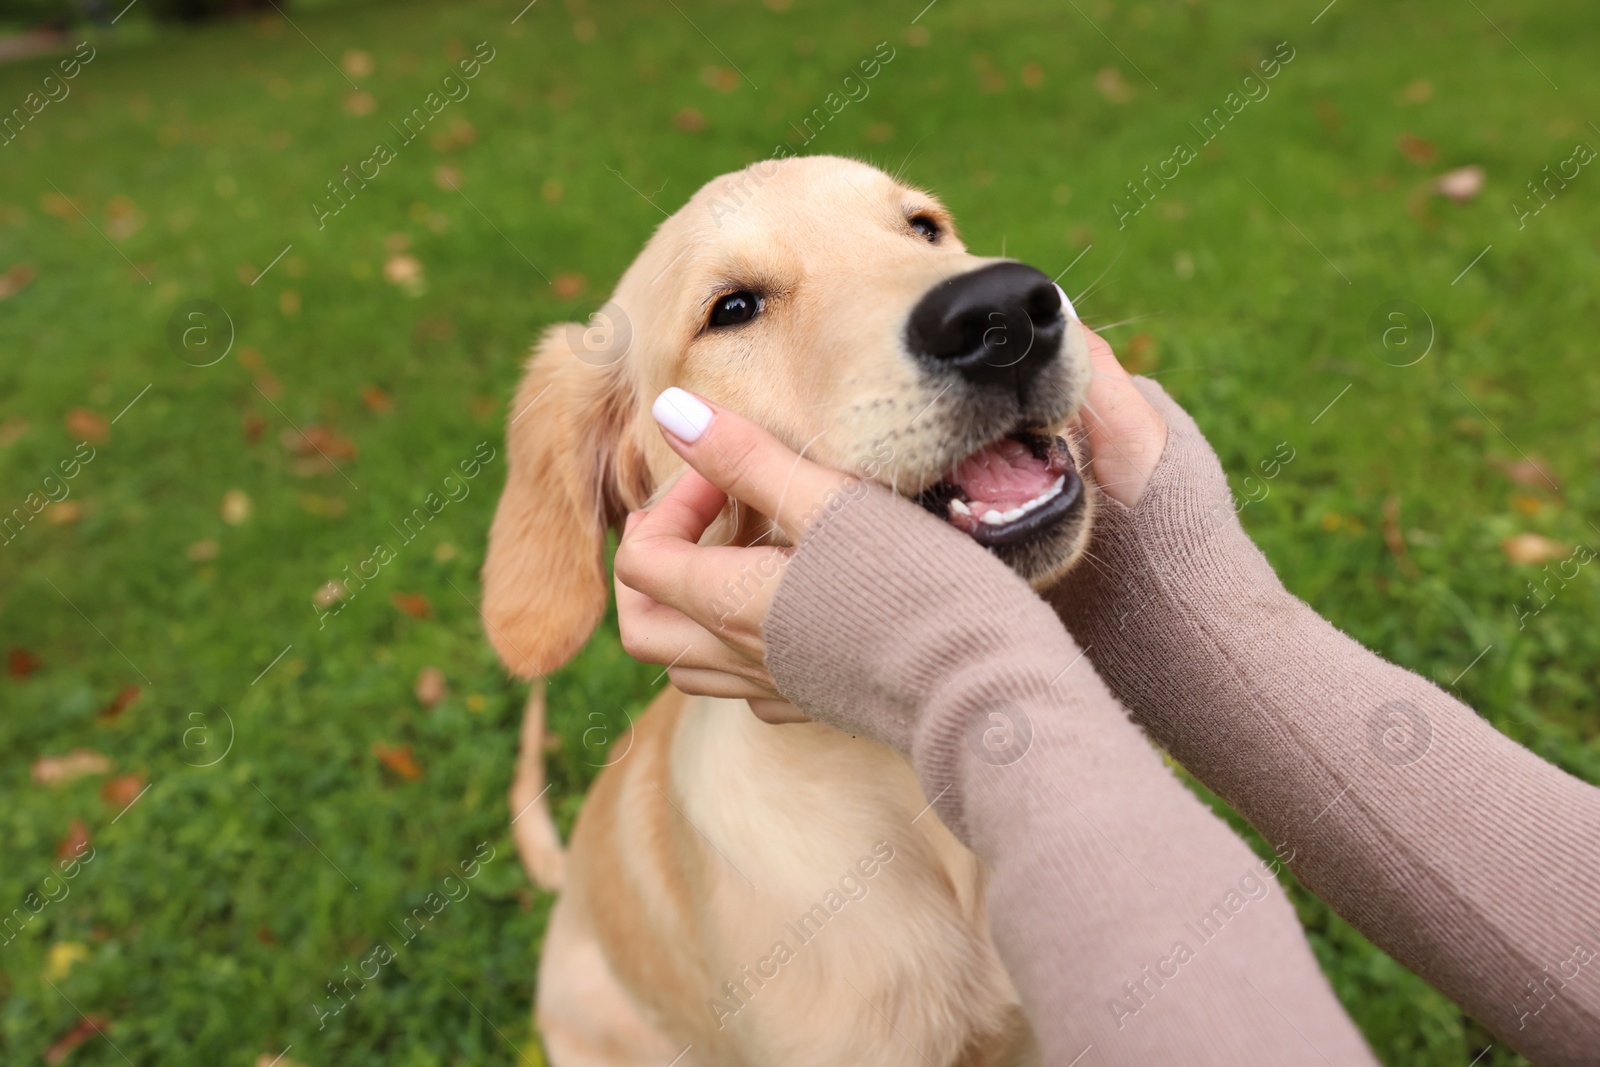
<point x="1010" y="491"/>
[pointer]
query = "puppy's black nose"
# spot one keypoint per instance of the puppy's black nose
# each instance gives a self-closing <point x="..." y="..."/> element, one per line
<point x="999" y="325"/>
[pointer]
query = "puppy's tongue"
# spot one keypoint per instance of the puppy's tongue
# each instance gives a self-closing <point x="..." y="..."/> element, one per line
<point x="1002" y="476"/>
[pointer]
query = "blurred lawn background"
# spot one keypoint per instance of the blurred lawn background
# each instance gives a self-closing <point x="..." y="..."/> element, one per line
<point x="298" y="785"/>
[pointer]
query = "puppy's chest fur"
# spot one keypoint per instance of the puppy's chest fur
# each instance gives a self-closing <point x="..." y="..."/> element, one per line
<point x="830" y="867"/>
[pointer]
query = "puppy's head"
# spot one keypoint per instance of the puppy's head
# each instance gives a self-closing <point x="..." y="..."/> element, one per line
<point x="837" y="308"/>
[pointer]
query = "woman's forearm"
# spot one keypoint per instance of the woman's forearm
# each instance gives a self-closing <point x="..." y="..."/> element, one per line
<point x="1462" y="854"/>
<point x="1132" y="920"/>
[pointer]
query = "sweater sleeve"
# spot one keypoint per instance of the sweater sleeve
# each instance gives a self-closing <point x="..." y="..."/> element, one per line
<point x="1459" y="852"/>
<point x="1133" y="921"/>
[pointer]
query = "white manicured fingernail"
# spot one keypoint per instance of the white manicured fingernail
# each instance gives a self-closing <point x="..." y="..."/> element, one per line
<point x="681" y="414"/>
<point x="1066" y="305"/>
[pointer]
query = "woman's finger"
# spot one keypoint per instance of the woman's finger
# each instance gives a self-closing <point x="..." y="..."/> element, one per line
<point x="777" y="711"/>
<point x="1126" y="434"/>
<point x="708" y="683"/>
<point x="747" y="462"/>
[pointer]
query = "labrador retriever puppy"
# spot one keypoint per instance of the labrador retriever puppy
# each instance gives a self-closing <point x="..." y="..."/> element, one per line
<point x="739" y="893"/>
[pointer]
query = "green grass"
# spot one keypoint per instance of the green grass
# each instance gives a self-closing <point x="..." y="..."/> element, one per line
<point x="210" y="925"/>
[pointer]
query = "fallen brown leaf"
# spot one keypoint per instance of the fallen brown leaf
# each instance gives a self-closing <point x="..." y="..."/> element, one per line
<point x="360" y="103"/>
<point x="77" y="840"/>
<point x="201" y="551"/>
<point x="266" y="1059"/>
<point x="430" y="688"/>
<point x="719" y="78"/>
<point x="13" y="280"/>
<point x="1418" y="92"/>
<point x="126" y="697"/>
<point x="20" y="663"/>
<point x="398" y="758"/>
<point x="88" y="425"/>
<point x="1394" y="536"/>
<point x="1140" y="353"/>
<point x="568" y="285"/>
<point x="253" y="425"/>
<point x="1527" y="471"/>
<point x="356" y="63"/>
<point x="1415" y="148"/>
<point x="414" y="604"/>
<point x="1526" y="505"/>
<point x="11" y="430"/>
<point x="122" y="790"/>
<point x="689" y="120"/>
<point x="1112" y="85"/>
<point x="1532" y="548"/>
<point x="57" y="770"/>
<point x="236" y="507"/>
<point x="376" y="399"/>
<point x="402" y="269"/>
<point x="318" y="439"/>
<point x="86" y="1027"/>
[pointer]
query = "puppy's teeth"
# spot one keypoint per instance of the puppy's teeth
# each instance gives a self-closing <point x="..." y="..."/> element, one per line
<point x="959" y="507"/>
<point x="1013" y="515"/>
<point x="993" y="517"/>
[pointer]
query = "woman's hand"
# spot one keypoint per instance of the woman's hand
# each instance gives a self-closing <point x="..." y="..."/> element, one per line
<point x="699" y="610"/>
<point x="1126" y="434"/>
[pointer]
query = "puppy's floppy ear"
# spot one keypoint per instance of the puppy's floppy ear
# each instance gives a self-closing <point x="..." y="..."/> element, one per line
<point x="544" y="579"/>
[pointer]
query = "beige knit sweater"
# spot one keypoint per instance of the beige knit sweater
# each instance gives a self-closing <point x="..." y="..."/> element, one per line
<point x="1139" y="929"/>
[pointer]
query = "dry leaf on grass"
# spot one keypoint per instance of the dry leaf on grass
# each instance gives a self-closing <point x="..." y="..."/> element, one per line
<point x="1415" y="148"/>
<point x="88" y="425"/>
<point x="126" y="697"/>
<point x="236" y="507"/>
<point x="430" y="688"/>
<point x="266" y="1059"/>
<point x="414" y="604"/>
<point x="1527" y="471"/>
<point x="399" y="759"/>
<point x="57" y="770"/>
<point x="14" y="280"/>
<point x="20" y="663"/>
<point x="356" y="63"/>
<point x="122" y="790"/>
<point x="77" y="840"/>
<point x="87" y="1026"/>
<point x="1532" y="548"/>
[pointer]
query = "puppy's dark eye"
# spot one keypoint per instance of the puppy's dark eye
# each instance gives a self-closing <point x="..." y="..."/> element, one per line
<point x="735" y="308"/>
<point x="925" y="228"/>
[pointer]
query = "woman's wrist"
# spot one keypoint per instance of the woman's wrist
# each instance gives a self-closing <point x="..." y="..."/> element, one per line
<point x="1179" y="551"/>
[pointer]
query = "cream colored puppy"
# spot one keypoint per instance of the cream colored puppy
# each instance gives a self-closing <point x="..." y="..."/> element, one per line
<point x="738" y="893"/>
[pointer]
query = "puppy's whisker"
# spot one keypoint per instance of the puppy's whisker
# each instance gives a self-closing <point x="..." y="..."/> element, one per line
<point x="1125" y="322"/>
<point x="1079" y="298"/>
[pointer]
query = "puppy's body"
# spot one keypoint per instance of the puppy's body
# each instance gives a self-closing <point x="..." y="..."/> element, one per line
<point x="837" y="308"/>
<point x="703" y="906"/>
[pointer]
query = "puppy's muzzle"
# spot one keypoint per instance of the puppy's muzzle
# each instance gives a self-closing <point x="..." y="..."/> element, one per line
<point x="997" y="327"/>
